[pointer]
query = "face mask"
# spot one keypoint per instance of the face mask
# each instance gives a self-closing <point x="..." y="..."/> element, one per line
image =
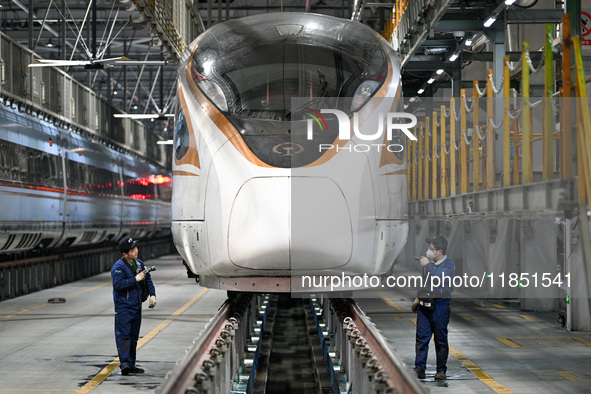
<point x="430" y="254"/>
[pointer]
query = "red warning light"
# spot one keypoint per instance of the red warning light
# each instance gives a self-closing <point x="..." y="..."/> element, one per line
<point x="159" y="179"/>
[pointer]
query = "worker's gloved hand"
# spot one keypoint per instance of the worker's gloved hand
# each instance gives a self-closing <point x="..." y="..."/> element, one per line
<point x="424" y="261"/>
<point x="415" y="305"/>
<point x="152" y="302"/>
<point x="141" y="276"/>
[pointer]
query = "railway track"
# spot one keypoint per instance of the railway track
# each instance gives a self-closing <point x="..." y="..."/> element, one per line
<point x="277" y="344"/>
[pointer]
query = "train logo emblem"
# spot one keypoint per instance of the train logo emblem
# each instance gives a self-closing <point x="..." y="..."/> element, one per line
<point x="288" y="149"/>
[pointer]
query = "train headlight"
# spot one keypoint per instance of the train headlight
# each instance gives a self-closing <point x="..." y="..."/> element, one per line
<point x="213" y="91"/>
<point x="363" y="93"/>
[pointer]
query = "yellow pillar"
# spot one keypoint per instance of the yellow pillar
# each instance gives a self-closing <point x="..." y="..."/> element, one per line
<point x="434" y="156"/>
<point x="415" y="164"/>
<point x="584" y="135"/>
<point x="548" y="170"/>
<point x="490" y="132"/>
<point x="484" y="183"/>
<point x="507" y="123"/>
<point x="420" y="162"/>
<point x="526" y="161"/>
<point x="426" y="193"/>
<point x="452" y="148"/>
<point x="516" y="149"/>
<point x="476" y="139"/>
<point x="443" y="155"/>
<point x="409" y="172"/>
<point x="566" y="151"/>
<point x="463" y="146"/>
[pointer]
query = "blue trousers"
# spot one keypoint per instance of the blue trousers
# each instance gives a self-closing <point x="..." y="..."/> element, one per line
<point x="127" y="332"/>
<point x="433" y="323"/>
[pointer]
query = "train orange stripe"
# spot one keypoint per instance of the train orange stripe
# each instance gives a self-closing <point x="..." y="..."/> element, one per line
<point x="187" y="173"/>
<point x="399" y="172"/>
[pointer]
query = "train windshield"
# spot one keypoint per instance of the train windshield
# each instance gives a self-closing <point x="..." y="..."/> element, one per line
<point x="253" y="69"/>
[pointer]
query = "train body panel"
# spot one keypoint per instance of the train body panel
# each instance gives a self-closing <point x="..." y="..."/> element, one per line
<point x="254" y="201"/>
<point x="60" y="189"/>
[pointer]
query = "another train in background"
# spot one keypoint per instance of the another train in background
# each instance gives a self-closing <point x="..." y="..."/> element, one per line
<point x="62" y="189"/>
<point x="255" y="202"/>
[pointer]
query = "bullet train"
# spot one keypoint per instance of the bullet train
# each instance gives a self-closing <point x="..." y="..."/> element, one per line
<point x="61" y="189"/>
<point x="286" y="161"/>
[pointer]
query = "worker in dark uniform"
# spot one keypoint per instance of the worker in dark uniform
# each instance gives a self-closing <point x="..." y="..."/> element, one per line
<point x="433" y="306"/>
<point x="129" y="279"/>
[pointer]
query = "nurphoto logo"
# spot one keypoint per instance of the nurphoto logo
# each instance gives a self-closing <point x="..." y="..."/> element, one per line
<point x="344" y="127"/>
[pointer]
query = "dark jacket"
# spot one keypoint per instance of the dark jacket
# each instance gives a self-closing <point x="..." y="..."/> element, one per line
<point x="442" y="287"/>
<point x="127" y="292"/>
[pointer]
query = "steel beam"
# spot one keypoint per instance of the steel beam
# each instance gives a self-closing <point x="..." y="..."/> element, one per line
<point x="553" y="198"/>
<point x="533" y="16"/>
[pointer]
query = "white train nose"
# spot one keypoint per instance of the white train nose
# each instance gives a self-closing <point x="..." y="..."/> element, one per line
<point x="298" y="223"/>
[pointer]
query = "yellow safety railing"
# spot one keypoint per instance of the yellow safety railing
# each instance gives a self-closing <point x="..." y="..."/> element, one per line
<point x="395" y="16"/>
<point x="584" y="128"/>
<point x="446" y="160"/>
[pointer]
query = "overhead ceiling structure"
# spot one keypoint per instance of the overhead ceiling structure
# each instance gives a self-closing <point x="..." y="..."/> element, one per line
<point x="84" y="32"/>
<point x="437" y="45"/>
<point x="91" y="31"/>
<point x="87" y="33"/>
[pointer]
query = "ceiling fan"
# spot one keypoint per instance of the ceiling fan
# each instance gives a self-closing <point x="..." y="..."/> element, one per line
<point x="98" y="64"/>
<point x="93" y="64"/>
<point x="159" y="116"/>
<point x="95" y="60"/>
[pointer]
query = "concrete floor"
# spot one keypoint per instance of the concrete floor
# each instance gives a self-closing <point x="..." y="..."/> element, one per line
<point x="70" y="347"/>
<point x="60" y="348"/>
<point x="493" y="347"/>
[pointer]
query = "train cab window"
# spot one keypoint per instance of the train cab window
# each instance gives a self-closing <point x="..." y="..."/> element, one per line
<point x="181" y="136"/>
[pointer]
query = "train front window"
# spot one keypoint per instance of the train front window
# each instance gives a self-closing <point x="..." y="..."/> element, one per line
<point x="272" y="75"/>
<point x="258" y="74"/>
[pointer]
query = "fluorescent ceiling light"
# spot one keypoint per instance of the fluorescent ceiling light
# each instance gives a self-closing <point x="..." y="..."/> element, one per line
<point x="509" y="2"/>
<point x="439" y="72"/>
<point x="468" y="42"/>
<point x="431" y="80"/>
<point x="420" y="91"/>
<point x="490" y="21"/>
<point x="453" y="57"/>
<point x="167" y="142"/>
<point x="143" y="116"/>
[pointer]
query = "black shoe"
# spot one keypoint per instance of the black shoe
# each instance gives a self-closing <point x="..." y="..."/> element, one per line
<point x="125" y="370"/>
<point x="136" y="370"/>
<point x="420" y="373"/>
<point x="440" y="375"/>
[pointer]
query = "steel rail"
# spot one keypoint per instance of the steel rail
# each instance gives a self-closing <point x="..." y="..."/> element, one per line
<point x="181" y="378"/>
<point x="398" y="374"/>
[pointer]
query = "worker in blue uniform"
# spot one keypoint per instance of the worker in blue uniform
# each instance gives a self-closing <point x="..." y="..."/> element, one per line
<point x="130" y="280"/>
<point x="433" y="306"/>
